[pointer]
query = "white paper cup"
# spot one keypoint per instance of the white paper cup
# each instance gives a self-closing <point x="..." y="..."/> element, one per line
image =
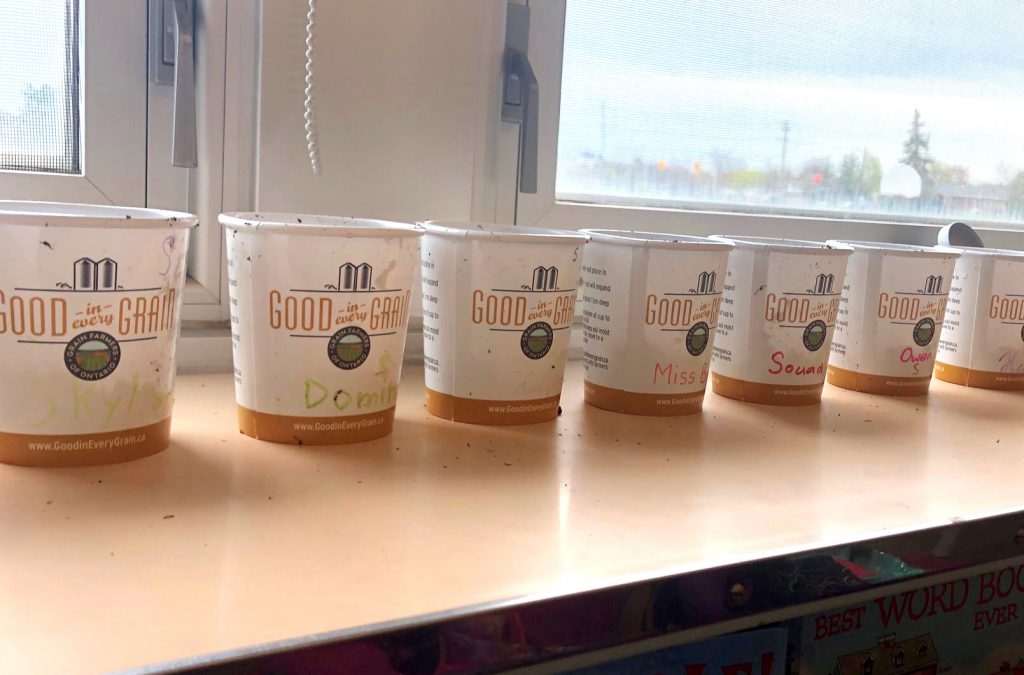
<point x="90" y="300"/>
<point x="890" y="317"/>
<point x="498" y="307"/>
<point x="982" y="341"/>
<point x="650" y="309"/>
<point x="779" y="308"/>
<point x="319" y="316"/>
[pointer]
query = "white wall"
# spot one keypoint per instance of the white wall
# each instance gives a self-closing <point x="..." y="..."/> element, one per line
<point x="406" y="107"/>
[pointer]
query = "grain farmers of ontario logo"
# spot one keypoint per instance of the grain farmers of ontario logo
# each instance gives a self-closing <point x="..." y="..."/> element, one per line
<point x="91" y="318"/>
<point x="93" y="355"/>
<point x="538" y="337"/>
<point x="534" y="311"/>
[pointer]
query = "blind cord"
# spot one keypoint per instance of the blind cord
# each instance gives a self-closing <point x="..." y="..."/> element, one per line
<point x="312" y="144"/>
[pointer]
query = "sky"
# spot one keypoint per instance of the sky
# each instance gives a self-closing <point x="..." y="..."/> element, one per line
<point x="31" y="48"/>
<point x="679" y="80"/>
<point x="32" y="52"/>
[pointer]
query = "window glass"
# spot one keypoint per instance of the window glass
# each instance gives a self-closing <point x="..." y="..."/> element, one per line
<point x="39" y="86"/>
<point x="906" y="108"/>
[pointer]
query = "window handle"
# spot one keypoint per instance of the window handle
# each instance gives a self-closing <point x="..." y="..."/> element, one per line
<point x="521" y="94"/>
<point x="183" y="133"/>
<point x="521" y="87"/>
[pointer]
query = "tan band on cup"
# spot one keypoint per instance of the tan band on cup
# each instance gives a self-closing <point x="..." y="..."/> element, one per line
<point x="634" y="403"/>
<point x="315" y="430"/>
<point x="983" y="379"/>
<point x="770" y="394"/>
<point x="495" y="413"/>
<point x="85" y="449"/>
<point x="878" y="384"/>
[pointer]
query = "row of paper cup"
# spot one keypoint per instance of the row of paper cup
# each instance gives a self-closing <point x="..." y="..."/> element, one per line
<point x="90" y="303"/>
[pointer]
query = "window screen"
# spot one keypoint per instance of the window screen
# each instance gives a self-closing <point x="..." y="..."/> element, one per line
<point x="907" y="108"/>
<point x="39" y="86"/>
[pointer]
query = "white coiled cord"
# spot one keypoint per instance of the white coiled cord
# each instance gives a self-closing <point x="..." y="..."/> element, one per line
<point x="311" y="139"/>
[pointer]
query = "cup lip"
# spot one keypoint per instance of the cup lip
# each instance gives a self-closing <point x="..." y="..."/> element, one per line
<point x="1004" y="253"/>
<point x="517" y="233"/>
<point x="785" y="245"/>
<point x="315" y="224"/>
<point x="641" y="239"/>
<point x="66" y="214"/>
<point x="909" y="250"/>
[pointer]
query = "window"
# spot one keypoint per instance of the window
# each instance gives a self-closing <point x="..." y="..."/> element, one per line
<point x="73" y="101"/>
<point x="81" y="119"/>
<point x="39" y="85"/>
<point x="906" y="110"/>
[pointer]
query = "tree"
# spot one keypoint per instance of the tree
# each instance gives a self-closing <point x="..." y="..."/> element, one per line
<point x="1006" y="172"/>
<point x="915" y="151"/>
<point x="1017" y="190"/>
<point x="870" y="174"/>
<point x="849" y="174"/>
<point x="725" y="163"/>
<point x="859" y="174"/>
<point x="816" y="175"/>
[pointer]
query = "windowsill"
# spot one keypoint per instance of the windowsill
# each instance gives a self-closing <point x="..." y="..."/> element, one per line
<point x="772" y="211"/>
<point x="227" y="542"/>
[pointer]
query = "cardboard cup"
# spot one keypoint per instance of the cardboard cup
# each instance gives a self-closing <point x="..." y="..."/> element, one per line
<point x="319" y="315"/>
<point x="498" y="308"/>
<point x="779" y="308"/>
<point x="650" y="309"/>
<point x="90" y="300"/>
<point x="890" y="316"/>
<point x="982" y="341"/>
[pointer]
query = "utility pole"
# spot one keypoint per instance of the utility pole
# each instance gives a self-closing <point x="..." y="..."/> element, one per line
<point x="782" y="163"/>
<point x="860" y="179"/>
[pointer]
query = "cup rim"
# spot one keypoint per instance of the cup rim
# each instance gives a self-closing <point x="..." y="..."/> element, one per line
<point x="465" y="230"/>
<point x="1005" y="253"/>
<point x="785" y="245"/>
<point x="315" y="224"/>
<point x="641" y="239"/>
<point x="910" y="250"/>
<point x="66" y="214"/>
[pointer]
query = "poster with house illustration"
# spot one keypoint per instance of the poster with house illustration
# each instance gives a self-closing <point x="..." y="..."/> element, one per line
<point x="972" y="625"/>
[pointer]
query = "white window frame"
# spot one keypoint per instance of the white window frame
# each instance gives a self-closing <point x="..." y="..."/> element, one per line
<point x="226" y="110"/>
<point x="547" y="30"/>
<point x="127" y="125"/>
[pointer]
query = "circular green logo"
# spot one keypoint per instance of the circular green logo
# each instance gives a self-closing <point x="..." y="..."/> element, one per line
<point x="697" y="338"/>
<point x="92" y="355"/>
<point x="349" y="347"/>
<point x="537" y="340"/>
<point x="814" y="335"/>
<point x="924" y="331"/>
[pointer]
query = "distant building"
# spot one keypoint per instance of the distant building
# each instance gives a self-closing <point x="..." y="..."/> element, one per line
<point x="988" y="199"/>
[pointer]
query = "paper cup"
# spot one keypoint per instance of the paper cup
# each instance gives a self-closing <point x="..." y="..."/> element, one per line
<point x="319" y="315"/>
<point x="982" y="341"/>
<point x="890" y="316"/>
<point x="779" y="308"/>
<point x="90" y="300"/>
<point x="498" y="307"/>
<point x="650" y="309"/>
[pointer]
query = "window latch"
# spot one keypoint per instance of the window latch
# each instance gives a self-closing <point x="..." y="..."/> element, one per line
<point x="521" y="93"/>
<point x="172" y="62"/>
